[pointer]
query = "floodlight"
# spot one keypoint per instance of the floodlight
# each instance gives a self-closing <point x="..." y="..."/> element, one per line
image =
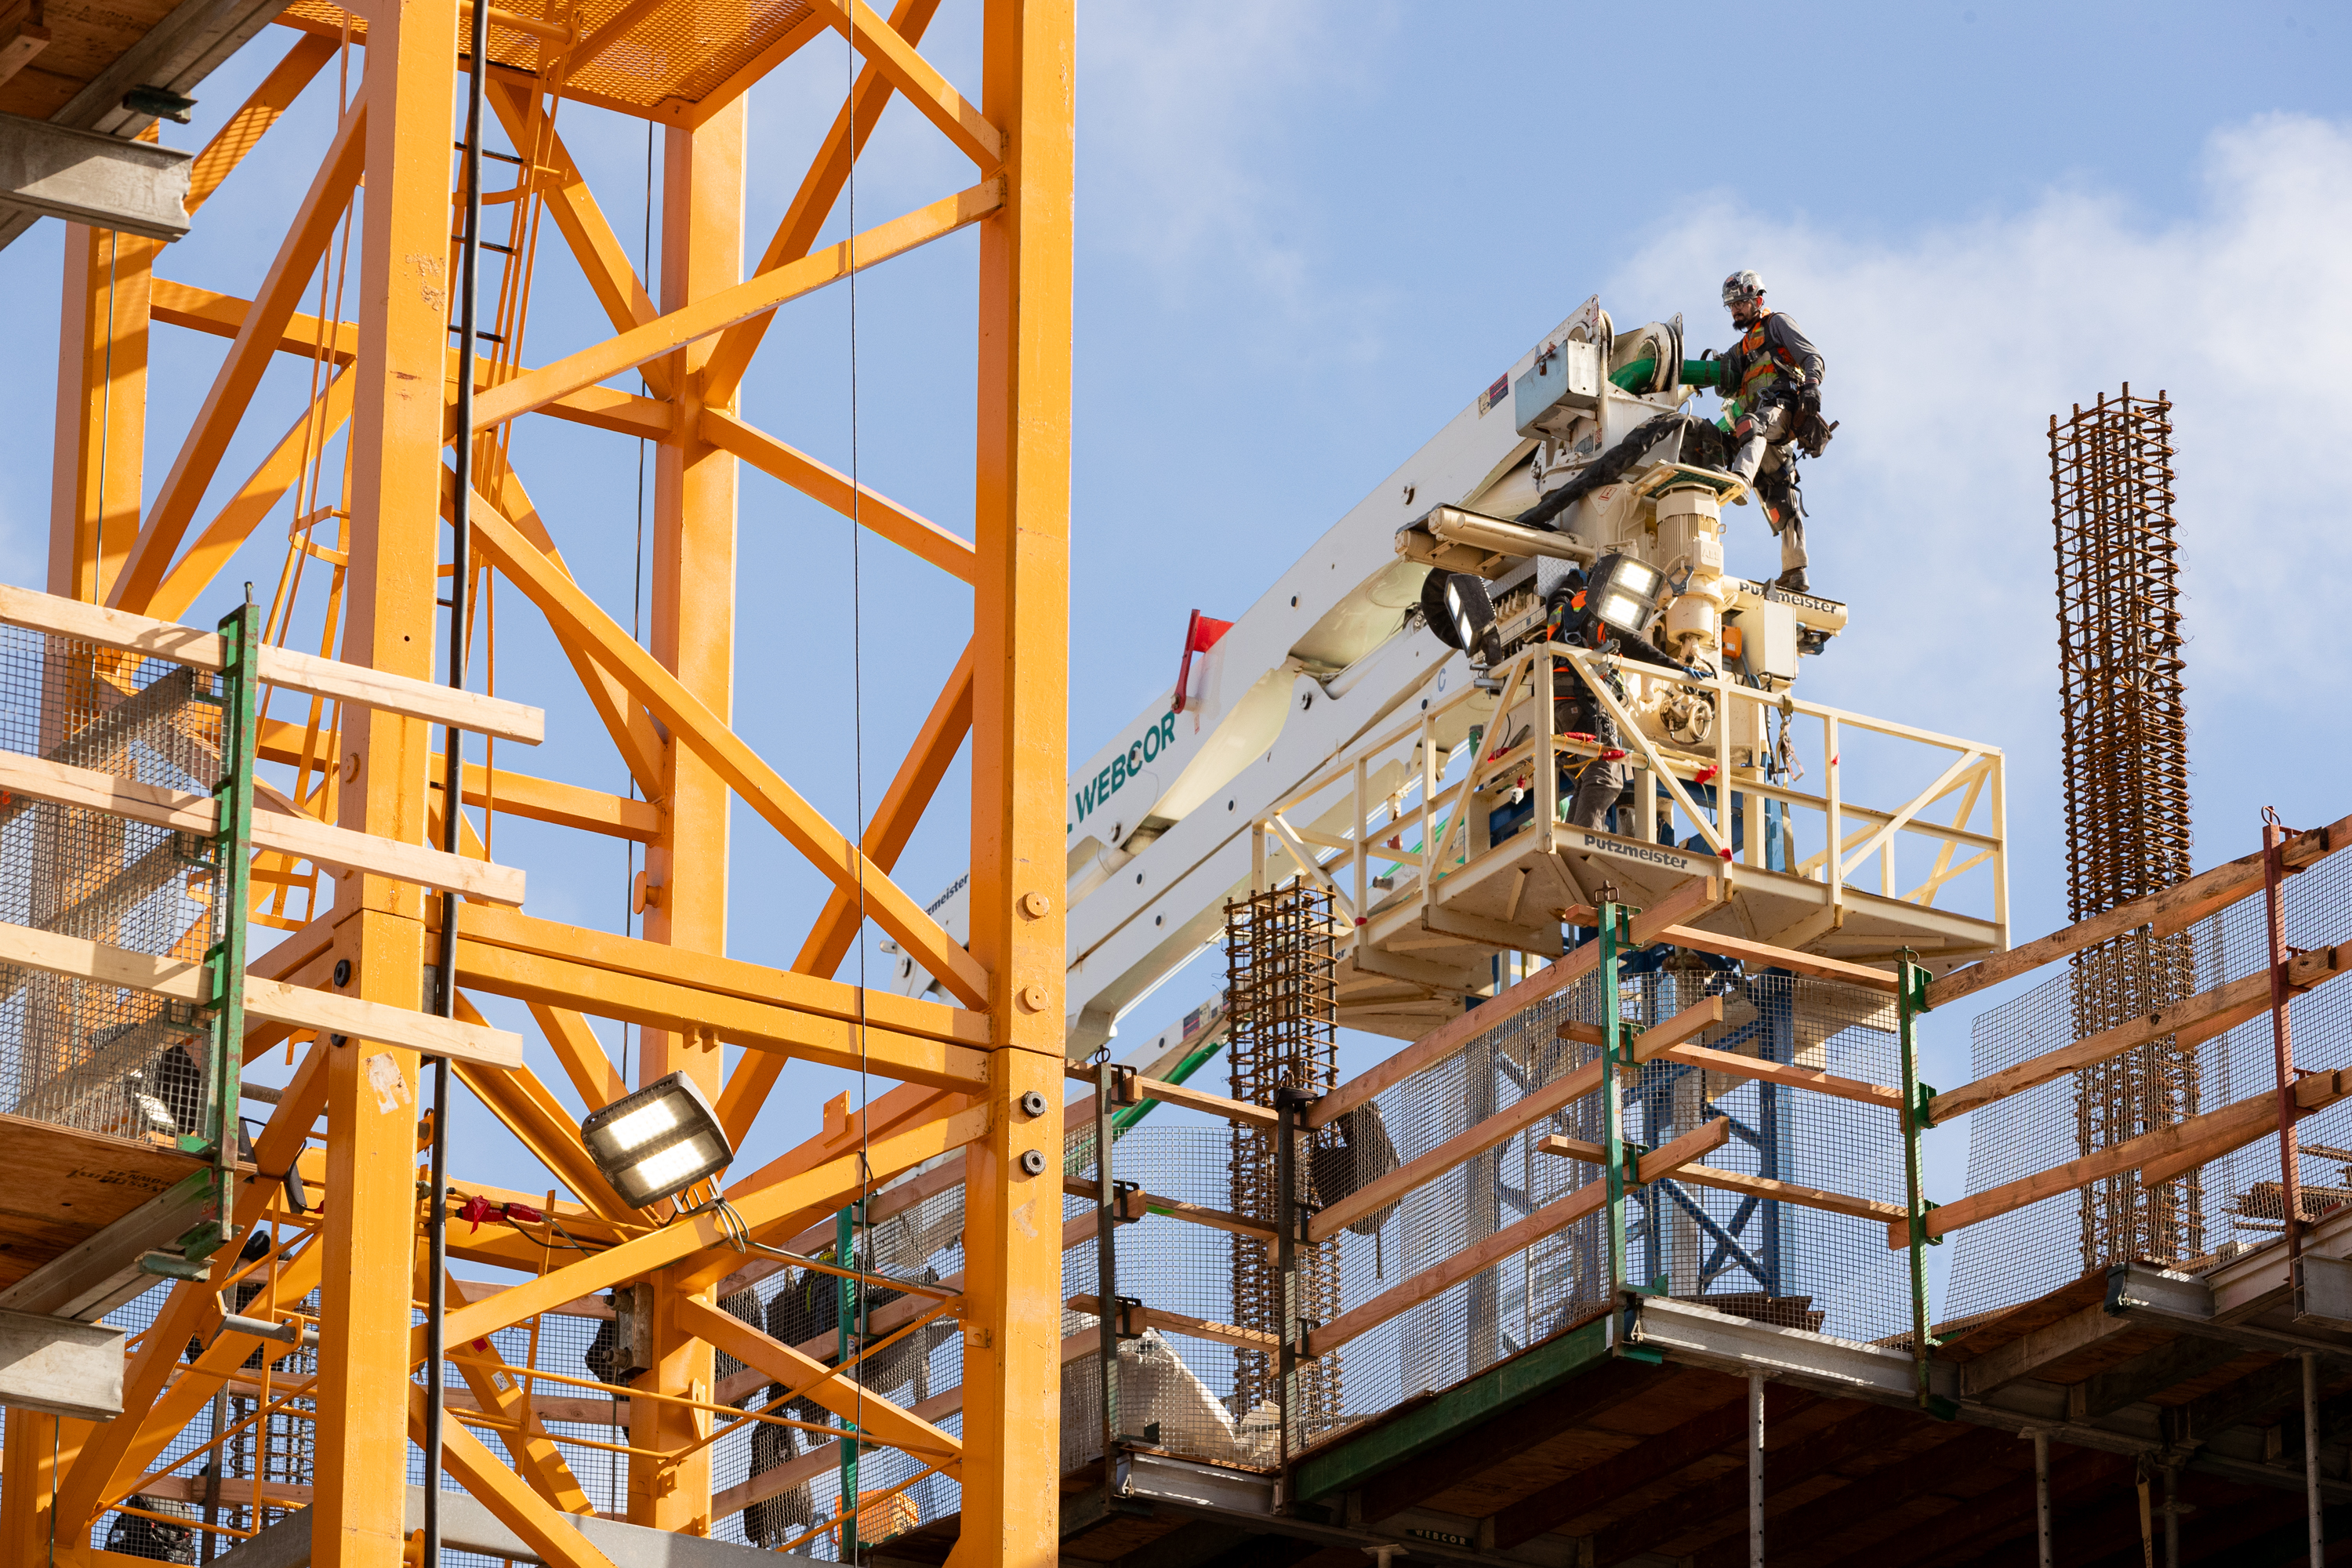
<point x="1624" y="593"/>
<point x="656" y="1142"/>
<point x="1458" y="609"/>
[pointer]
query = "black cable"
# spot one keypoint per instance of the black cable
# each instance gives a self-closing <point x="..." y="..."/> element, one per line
<point x="452" y="778"/>
<point x="637" y="588"/>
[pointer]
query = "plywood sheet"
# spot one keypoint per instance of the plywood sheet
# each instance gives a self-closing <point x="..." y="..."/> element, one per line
<point x="63" y="1186"/>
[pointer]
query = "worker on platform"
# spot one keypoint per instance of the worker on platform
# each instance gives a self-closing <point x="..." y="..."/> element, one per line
<point x="1593" y="791"/>
<point x="1770" y="382"/>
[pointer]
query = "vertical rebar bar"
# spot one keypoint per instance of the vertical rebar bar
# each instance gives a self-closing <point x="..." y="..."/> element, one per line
<point x="2125" y="739"/>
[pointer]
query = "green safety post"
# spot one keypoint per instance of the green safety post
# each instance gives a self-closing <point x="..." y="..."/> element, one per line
<point x="1612" y="1114"/>
<point x="232" y="866"/>
<point x="852" y="1303"/>
<point x="1911" y="1000"/>
<point x="1616" y="1060"/>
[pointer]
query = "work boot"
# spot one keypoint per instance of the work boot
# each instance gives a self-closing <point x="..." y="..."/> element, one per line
<point x="1792" y="581"/>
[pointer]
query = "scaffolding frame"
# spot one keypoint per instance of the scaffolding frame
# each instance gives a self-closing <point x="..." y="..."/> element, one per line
<point x="968" y="1068"/>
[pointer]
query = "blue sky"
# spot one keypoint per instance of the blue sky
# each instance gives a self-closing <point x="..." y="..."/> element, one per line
<point x="1308" y="234"/>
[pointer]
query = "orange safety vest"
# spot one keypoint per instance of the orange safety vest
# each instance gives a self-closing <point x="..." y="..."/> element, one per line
<point x="1761" y="363"/>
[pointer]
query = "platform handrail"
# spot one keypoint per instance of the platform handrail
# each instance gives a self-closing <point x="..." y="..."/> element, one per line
<point x="1975" y="774"/>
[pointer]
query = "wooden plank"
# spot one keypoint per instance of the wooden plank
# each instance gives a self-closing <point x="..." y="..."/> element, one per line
<point x="307" y="838"/>
<point x="1512" y="1238"/>
<point x="2200" y="1137"/>
<point x="1177" y="1323"/>
<point x="1648" y="1042"/>
<point x="1558" y="1373"/>
<point x="1471" y="1141"/>
<point x="278" y="665"/>
<point x="270" y="1000"/>
<point x="2174" y="908"/>
<point x="64" y="1184"/>
<point x="2189" y="1156"/>
<point x="1740" y="1182"/>
<point x="1783" y="958"/>
<point x="1176" y="1208"/>
<point x="21" y="38"/>
<point x="2152" y="1372"/>
<point x="1688" y="1024"/>
<point x="1698" y="1422"/>
<point x="1692" y="901"/>
<point x="1191" y="1099"/>
<point x="2226" y="1006"/>
<point x="1733" y="1065"/>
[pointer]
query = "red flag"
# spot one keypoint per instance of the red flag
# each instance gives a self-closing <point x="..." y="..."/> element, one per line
<point x="1200" y="637"/>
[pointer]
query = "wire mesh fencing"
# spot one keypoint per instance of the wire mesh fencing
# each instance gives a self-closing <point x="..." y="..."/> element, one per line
<point x="1202" y="1394"/>
<point x="2208" y="1215"/>
<point x="75" y="1053"/>
<point x="778" y="1485"/>
<point x="1759" y="1258"/>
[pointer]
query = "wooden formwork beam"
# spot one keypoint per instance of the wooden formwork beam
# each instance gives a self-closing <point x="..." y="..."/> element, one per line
<point x="1693" y="901"/>
<point x="2157" y="1155"/>
<point x="2173" y="908"/>
<point x="292" y="833"/>
<point x="1492" y="1249"/>
<point x="353" y="1017"/>
<point x="2200" y="1018"/>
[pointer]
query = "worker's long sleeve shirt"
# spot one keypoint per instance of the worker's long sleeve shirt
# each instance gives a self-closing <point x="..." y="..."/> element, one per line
<point x="1784" y="342"/>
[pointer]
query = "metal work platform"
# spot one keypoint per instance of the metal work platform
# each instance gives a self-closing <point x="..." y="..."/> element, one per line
<point x="1446" y="852"/>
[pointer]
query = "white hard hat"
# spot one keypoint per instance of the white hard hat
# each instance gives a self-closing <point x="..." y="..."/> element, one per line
<point x="1742" y="285"/>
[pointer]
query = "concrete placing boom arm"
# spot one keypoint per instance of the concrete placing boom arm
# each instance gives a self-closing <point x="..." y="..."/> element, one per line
<point x="1161" y="820"/>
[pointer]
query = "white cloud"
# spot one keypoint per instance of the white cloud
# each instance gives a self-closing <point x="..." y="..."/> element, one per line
<point x="1950" y="347"/>
<point x="1188" y="163"/>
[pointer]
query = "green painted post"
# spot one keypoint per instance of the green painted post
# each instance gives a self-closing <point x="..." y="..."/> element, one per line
<point x="1612" y="1108"/>
<point x="1911" y="1000"/>
<point x="853" y="1302"/>
<point x="240" y="632"/>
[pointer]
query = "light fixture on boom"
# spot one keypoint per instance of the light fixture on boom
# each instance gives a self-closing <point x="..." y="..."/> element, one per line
<point x="1459" y="611"/>
<point x="1623" y="594"/>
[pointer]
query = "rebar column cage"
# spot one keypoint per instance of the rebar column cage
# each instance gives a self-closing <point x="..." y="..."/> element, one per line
<point x="1283" y="1008"/>
<point x="2124" y="729"/>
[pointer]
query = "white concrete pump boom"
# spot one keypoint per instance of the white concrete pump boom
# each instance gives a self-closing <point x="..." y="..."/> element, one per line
<point x="1165" y="820"/>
